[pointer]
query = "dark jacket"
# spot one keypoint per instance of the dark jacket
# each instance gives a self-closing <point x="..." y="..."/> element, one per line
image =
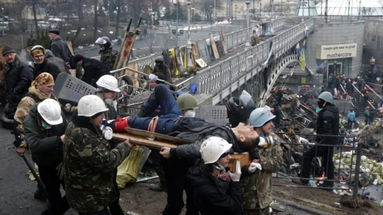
<point x="60" y="49"/>
<point x="46" y="145"/>
<point x="193" y="129"/>
<point x="328" y="124"/>
<point x="18" y="77"/>
<point x="162" y="71"/>
<point x="93" y="70"/>
<point x="49" y="67"/>
<point x="212" y="196"/>
<point x="58" y="62"/>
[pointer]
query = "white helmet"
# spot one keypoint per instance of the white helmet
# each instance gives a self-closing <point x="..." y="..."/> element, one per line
<point x="90" y="105"/>
<point x="50" y="111"/>
<point x="212" y="148"/>
<point x="108" y="82"/>
<point x="102" y="40"/>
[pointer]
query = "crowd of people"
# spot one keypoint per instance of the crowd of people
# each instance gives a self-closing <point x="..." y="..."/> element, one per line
<point x="78" y="153"/>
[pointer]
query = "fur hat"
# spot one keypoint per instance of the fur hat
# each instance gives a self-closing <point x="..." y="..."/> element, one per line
<point x="42" y="79"/>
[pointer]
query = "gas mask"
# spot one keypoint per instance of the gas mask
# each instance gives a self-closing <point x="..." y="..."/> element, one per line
<point x="107" y="132"/>
<point x="45" y="126"/>
<point x="111" y="102"/>
<point x="321" y="104"/>
<point x="265" y="141"/>
<point x="189" y="113"/>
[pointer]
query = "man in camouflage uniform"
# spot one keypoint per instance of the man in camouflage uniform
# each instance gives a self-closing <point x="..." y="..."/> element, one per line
<point x="107" y="55"/>
<point x="255" y="39"/>
<point x="89" y="161"/>
<point x="256" y="178"/>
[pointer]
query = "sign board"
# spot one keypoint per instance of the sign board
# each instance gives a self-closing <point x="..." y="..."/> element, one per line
<point x="336" y="51"/>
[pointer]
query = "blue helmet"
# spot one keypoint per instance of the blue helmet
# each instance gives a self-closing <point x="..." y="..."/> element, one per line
<point x="260" y="116"/>
<point x="327" y="97"/>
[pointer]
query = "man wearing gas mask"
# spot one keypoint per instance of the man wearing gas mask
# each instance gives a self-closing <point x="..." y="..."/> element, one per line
<point x="107" y="89"/>
<point x="267" y="158"/>
<point x="327" y="127"/>
<point x="90" y="162"/>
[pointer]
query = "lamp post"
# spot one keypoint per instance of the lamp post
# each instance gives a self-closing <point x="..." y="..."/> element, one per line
<point x="188" y="3"/>
<point x="215" y="10"/>
<point x="176" y="5"/>
<point x="247" y="22"/>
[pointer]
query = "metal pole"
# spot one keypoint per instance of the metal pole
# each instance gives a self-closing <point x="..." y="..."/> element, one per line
<point x="325" y="12"/>
<point x="177" y="5"/>
<point x="189" y="17"/>
<point x="254" y="8"/>
<point x="248" y="22"/>
<point x="215" y="11"/>
<point x="357" y="170"/>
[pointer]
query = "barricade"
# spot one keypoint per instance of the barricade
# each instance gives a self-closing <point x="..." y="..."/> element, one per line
<point x="347" y="156"/>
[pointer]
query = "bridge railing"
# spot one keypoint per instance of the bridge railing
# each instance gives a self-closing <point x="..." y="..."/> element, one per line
<point x="232" y="39"/>
<point x="214" y="79"/>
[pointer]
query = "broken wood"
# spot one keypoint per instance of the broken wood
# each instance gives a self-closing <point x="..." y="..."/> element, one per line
<point x="214" y="47"/>
<point x="243" y="158"/>
<point x="223" y="43"/>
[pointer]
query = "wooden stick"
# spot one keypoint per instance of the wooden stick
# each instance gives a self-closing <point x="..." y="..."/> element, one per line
<point x="142" y="141"/>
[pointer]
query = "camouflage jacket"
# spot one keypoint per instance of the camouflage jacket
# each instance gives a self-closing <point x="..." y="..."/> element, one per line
<point x="89" y="167"/>
<point x="255" y="39"/>
<point x="256" y="187"/>
<point x="108" y="57"/>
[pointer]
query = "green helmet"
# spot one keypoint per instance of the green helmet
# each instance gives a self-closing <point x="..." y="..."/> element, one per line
<point x="187" y="101"/>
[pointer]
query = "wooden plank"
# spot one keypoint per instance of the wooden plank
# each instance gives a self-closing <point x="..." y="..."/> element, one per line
<point x="195" y="50"/>
<point x="142" y="141"/>
<point x="70" y="47"/>
<point x="157" y="136"/>
<point x="243" y="158"/>
<point x="214" y="47"/>
<point x="223" y="42"/>
<point x="127" y="46"/>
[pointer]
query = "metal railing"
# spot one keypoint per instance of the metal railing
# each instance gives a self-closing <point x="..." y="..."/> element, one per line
<point x="232" y="39"/>
<point x="229" y="74"/>
<point x="347" y="162"/>
<point x="214" y="79"/>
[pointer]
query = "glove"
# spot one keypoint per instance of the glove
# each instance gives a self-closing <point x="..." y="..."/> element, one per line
<point x="254" y="166"/>
<point x="117" y="125"/>
<point x="237" y="175"/>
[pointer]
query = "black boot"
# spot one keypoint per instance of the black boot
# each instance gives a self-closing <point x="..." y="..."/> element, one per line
<point x="40" y="194"/>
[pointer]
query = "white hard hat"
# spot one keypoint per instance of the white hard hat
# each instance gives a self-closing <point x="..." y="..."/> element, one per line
<point x="50" y="111"/>
<point x="212" y="148"/>
<point x="108" y="82"/>
<point x="90" y="105"/>
<point x="102" y="40"/>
